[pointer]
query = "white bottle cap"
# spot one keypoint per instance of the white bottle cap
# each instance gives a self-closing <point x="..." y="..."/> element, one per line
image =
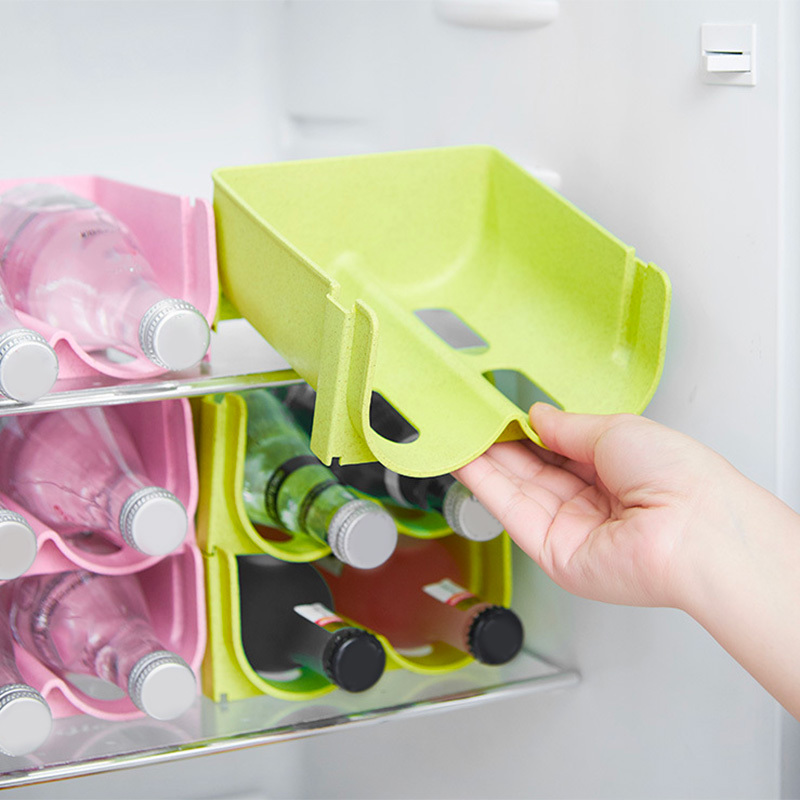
<point x="362" y="534"/>
<point x="153" y="521"/>
<point x="25" y="719"/>
<point x="174" y="334"/>
<point x="467" y="516"/>
<point x="17" y="544"/>
<point x="28" y="365"/>
<point x="162" y="685"/>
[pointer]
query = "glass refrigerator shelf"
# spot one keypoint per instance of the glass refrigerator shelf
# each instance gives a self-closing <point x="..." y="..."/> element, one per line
<point x="240" y="359"/>
<point x="82" y="745"/>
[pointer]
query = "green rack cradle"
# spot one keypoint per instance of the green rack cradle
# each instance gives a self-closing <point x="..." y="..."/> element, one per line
<point x="342" y="264"/>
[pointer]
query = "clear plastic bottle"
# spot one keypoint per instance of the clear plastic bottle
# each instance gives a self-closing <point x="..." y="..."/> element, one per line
<point x="75" y="266"/>
<point x="17" y="544"/>
<point x="417" y="598"/>
<point x="28" y="365"/>
<point x="79" y="470"/>
<point x="461" y="510"/>
<point x="25" y="718"/>
<point x="285" y="484"/>
<point x="287" y="621"/>
<point x="79" y="623"/>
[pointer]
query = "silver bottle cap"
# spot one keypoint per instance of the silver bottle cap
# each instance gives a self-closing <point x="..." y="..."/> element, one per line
<point x="25" y="719"/>
<point x="28" y="365"/>
<point x="467" y="516"/>
<point x="162" y="685"/>
<point x="153" y="521"/>
<point x="173" y="334"/>
<point x="362" y="534"/>
<point x="17" y="544"/>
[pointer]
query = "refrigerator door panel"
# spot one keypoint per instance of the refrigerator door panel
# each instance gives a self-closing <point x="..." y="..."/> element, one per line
<point x="612" y="98"/>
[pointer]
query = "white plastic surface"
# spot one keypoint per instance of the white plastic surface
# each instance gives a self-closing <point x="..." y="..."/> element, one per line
<point x="498" y="14"/>
<point x="181" y="339"/>
<point x="362" y="534"/>
<point x="28" y="370"/>
<point x="25" y="723"/>
<point x="17" y="545"/>
<point x="168" y="691"/>
<point x="159" y="525"/>
<point x="467" y="516"/>
<point x="729" y="53"/>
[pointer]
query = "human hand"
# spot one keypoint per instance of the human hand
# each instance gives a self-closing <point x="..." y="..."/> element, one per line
<point x="619" y="509"/>
<point x="625" y="510"/>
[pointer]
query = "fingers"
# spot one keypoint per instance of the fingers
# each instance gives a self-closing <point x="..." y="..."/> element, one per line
<point x="522" y="513"/>
<point x="517" y="487"/>
<point x="573" y="435"/>
<point x="529" y="465"/>
<point x="546" y="509"/>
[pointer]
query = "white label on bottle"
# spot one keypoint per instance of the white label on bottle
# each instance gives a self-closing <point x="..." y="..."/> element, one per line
<point x="331" y="565"/>
<point x="317" y="613"/>
<point x="447" y="591"/>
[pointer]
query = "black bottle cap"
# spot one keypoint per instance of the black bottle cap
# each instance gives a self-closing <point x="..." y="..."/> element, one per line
<point x="354" y="659"/>
<point x="495" y="635"/>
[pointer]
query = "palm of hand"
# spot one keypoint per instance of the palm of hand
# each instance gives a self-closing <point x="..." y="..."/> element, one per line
<point x="604" y="526"/>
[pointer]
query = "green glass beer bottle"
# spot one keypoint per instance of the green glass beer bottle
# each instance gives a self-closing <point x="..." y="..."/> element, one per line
<point x="287" y="486"/>
<point x="461" y="510"/>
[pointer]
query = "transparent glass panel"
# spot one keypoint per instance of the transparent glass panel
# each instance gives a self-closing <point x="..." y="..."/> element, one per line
<point x="83" y="745"/>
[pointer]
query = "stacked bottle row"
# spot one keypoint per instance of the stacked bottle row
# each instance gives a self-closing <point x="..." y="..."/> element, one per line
<point x="103" y="604"/>
<point x="81" y="290"/>
<point x="105" y="489"/>
<point x="310" y="586"/>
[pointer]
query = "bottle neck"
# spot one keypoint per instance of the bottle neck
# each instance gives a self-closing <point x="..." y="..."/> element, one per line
<point x="115" y="660"/>
<point x="447" y="612"/>
<point x="125" y="325"/>
<point x="424" y="493"/>
<point x="127" y="484"/>
<point x="292" y="489"/>
<point x="378" y="481"/>
<point x="8" y="319"/>
<point x="9" y="672"/>
<point x="315" y="634"/>
<point x="320" y="505"/>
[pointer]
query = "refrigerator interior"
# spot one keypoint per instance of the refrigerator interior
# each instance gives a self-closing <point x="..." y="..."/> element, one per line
<point x="609" y="102"/>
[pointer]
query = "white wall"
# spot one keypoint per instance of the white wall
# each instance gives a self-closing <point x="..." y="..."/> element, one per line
<point x="156" y="93"/>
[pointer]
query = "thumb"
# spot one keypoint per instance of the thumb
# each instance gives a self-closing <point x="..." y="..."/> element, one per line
<point x="572" y="435"/>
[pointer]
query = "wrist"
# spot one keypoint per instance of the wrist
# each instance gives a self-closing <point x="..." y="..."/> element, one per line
<point x="732" y="546"/>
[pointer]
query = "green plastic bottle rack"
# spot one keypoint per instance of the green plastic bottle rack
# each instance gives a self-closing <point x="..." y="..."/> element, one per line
<point x="224" y="531"/>
<point x="226" y="673"/>
<point x="222" y="522"/>
<point x="343" y="264"/>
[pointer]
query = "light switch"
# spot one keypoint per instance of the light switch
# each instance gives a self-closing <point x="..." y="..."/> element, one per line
<point x="729" y="53"/>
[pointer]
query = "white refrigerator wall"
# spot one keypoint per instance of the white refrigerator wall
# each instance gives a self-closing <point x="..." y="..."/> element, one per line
<point x="607" y="101"/>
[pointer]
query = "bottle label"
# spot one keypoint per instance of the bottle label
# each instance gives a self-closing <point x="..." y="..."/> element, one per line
<point x="447" y="591"/>
<point x="318" y="614"/>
